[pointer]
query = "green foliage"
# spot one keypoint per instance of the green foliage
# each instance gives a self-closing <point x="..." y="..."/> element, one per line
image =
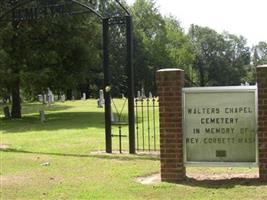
<point x="180" y="49"/>
<point x="220" y="59"/>
<point x="260" y="54"/>
<point x="159" y="43"/>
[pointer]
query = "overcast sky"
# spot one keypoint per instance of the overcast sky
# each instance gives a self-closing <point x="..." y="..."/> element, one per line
<point x="239" y="17"/>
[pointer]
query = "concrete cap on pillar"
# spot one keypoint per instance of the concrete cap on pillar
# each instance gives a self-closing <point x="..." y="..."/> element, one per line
<point x="170" y="70"/>
<point x="261" y="66"/>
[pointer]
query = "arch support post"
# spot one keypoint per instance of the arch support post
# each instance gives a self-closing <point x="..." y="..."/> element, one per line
<point x="107" y="86"/>
<point x="130" y="72"/>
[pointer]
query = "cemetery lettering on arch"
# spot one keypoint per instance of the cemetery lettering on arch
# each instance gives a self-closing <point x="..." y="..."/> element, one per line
<point x="44" y="8"/>
<point x="220" y="128"/>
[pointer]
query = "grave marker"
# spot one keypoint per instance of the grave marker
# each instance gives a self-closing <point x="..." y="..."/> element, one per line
<point x="101" y="100"/>
<point x="63" y="98"/>
<point x="84" y="97"/>
<point x="139" y="95"/>
<point x="7" y="112"/>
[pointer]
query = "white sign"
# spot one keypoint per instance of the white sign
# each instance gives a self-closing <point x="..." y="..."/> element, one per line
<point x="220" y="125"/>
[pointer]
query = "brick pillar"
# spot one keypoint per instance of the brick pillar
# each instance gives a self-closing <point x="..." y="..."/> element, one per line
<point x="262" y="120"/>
<point x="170" y="83"/>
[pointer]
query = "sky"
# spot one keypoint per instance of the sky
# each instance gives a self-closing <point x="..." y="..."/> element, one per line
<point x="240" y="17"/>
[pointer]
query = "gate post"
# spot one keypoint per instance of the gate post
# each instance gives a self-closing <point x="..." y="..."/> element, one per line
<point x="130" y="72"/>
<point x="262" y="120"/>
<point x="107" y="78"/>
<point x="169" y="85"/>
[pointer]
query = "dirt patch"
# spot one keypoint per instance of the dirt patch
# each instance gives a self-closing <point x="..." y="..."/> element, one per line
<point x="201" y="177"/>
<point x="155" y="178"/>
<point x="4" y="146"/>
<point x="149" y="180"/>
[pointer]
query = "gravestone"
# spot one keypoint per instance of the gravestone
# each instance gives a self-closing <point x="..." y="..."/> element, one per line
<point x="51" y="98"/>
<point x="143" y="94"/>
<point x="150" y="95"/>
<point x="113" y="120"/>
<point x="45" y="99"/>
<point x="40" y="98"/>
<point x="63" y="98"/>
<point x="84" y="97"/>
<point x="139" y="95"/>
<point x="42" y="115"/>
<point x="6" y="112"/>
<point x="101" y="101"/>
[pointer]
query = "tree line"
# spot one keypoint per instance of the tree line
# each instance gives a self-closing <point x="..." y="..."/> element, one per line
<point x="65" y="55"/>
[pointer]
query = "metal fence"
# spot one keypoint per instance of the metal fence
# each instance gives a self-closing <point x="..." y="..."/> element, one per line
<point x="147" y="124"/>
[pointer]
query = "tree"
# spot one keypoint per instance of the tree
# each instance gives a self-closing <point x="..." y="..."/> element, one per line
<point x="180" y="49"/>
<point x="58" y="53"/>
<point x="149" y="39"/>
<point x="259" y="56"/>
<point x="159" y="43"/>
<point x="220" y="59"/>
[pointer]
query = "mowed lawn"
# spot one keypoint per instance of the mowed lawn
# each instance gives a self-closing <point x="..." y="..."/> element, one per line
<point x="61" y="159"/>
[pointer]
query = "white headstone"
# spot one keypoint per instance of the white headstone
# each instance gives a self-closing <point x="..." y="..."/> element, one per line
<point x="40" y="98"/>
<point x="42" y="115"/>
<point x="150" y="95"/>
<point x="63" y="98"/>
<point x="84" y="97"/>
<point x="50" y="97"/>
<point x="143" y="95"/>
<point x="45" y="99"/>
<point x="139" y="95"/>
<point x="101" y="98"/>
<point x="112" y="117"/>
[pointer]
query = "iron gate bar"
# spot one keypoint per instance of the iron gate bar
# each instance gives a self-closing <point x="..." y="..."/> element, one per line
<point x="154" y="122"/>
<point x="143" y="129"/>
<point x="148" y="123"/>
<point x="136" y="121"/>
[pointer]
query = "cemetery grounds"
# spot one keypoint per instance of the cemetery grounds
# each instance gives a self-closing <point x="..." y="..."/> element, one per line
<point x="63" y="158"/>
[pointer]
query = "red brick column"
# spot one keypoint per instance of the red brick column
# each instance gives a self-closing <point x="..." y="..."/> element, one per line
<point x="262" y="120"/>
<point x="170" y="83"/>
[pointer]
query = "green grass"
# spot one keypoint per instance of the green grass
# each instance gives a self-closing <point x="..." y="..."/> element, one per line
<point x="73" y="131"/>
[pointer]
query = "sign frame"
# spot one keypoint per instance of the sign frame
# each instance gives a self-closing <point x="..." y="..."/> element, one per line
<point x="229" y="89"/>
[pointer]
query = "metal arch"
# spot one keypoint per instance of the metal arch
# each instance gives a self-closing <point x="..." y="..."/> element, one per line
<point x="120" y="4"/>
<point x="88" y="7"/>
<point x="75" y="2"/>
<point x="15" y="7"/>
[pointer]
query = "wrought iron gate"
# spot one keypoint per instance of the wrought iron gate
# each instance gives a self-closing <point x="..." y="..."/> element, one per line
<point x="147" y="124"/>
